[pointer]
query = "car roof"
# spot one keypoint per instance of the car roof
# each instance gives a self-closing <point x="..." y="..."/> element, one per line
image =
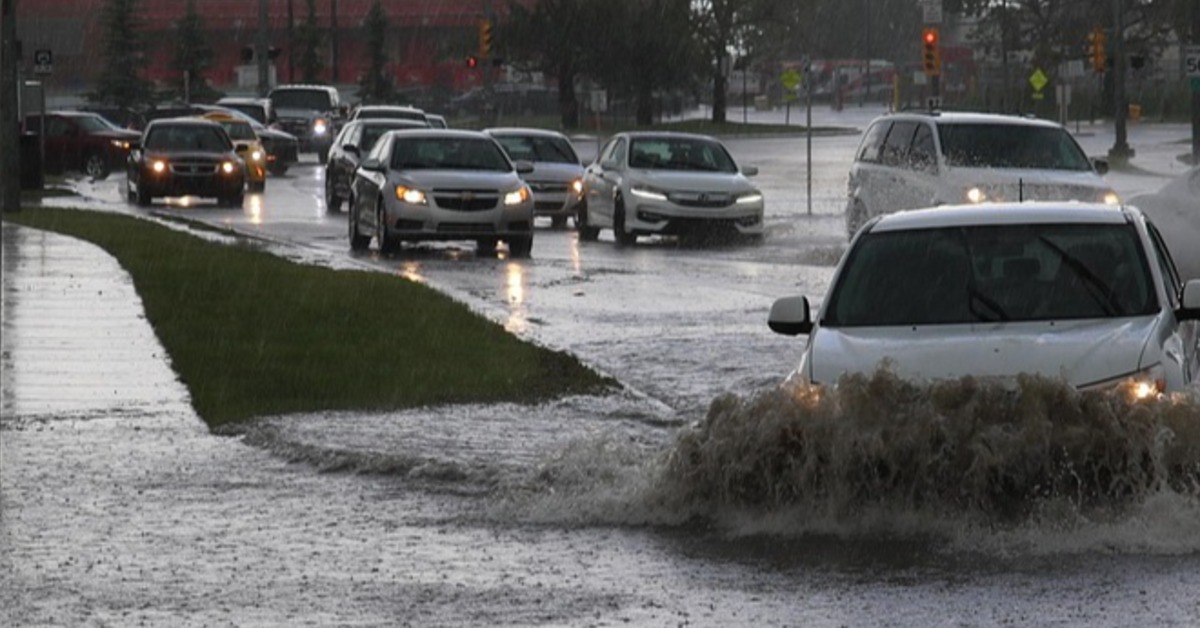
<point x="1030" y="212"/>
<point x="236" y="100"/>
<point x="516" y="130"/>
<point x="638" y="135"/>
<point x="406" y="108"/>
<point x="427" y="132"/>
<point x="183" y="121"/>
<point x="399" y="123"/>
<point x="969" y="117"/>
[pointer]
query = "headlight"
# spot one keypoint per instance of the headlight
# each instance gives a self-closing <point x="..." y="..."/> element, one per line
<point x="577" y="186"/>
<point x="256" y="155"/>
<point x="320" y="126"/>
<point x="976" y="195"/>
<point x="412" y="196"/>
<point x="1148" y="383"/>
<point x="648" y="193"/>
<point x="227" y="167"/>
<point x="746" y="199"/>
<point x="518" y="196"/>
<point x="1111" y="198"/>
<point x="123" y="145"/>
<point x="158" y="165"/>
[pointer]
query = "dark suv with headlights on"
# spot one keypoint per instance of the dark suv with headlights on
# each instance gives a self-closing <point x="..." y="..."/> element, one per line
<point x="313" y="113"/>
<point x="186" y="157"/>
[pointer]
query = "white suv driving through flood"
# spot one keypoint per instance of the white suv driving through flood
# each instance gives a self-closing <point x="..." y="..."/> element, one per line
<point x="921" y="159"/>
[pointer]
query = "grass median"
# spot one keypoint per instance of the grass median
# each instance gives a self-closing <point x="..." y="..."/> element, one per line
<point x="251" y="334"/>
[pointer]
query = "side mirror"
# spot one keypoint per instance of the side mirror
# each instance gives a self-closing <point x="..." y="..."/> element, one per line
<point x="608" y="164"/>
<point x="790" y="316"/>
<point x="750" y="171"/>
<point x="351" y="148"/>
<point x="372" y="165"/>
<point x="523" y="166"/>
<point x="241" y="147"/>
<point x="1189" y="308"/>
<point x="1100" y="164"/>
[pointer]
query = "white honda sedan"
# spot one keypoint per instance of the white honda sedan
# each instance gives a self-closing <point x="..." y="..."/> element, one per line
<point x="1081" y="291"/>
<point x="648" y="183"/>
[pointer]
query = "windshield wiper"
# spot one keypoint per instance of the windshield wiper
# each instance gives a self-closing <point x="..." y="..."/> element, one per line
<point x="1097" y="288"/>
<point x="974" y="295"/>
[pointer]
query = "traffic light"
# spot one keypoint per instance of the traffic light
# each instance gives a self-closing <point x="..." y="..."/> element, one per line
<point x="485" y="38"/>
<point x="931" y="52"/>
<point x="1096" y="50"/>
<point x="472" y="62"/>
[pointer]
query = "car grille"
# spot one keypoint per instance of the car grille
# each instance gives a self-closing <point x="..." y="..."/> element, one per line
<point x="547" y="187"/>
<point x="701" y="199"/>
<point x="299" y="128"/>
<point x="466" y="200"/>
<point x="547" y="205"/>
<point x="194" y="168"/>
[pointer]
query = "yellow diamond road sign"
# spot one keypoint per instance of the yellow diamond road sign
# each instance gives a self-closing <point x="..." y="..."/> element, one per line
<point x="790" y="79"/>
<point x="1038" y="80"/>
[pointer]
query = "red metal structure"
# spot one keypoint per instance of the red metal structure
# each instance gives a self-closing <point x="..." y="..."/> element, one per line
<point x="428" y="39"/>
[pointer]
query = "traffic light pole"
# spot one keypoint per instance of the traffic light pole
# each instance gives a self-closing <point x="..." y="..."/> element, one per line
<point x="1120" y="153"/>
<point x="1195" y="10"/>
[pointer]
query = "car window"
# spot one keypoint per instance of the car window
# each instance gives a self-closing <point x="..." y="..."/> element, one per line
<point x="538" y="148"/>
<point x="238" y="130"/>
<point x="673" y="153"/>
<point x="381" y="149"/>
<point x="896" y="146"/>
<point x="202" y="138"/>
<point x="1172" y="283"/>
<point x="448" y="153"/>
<point x="91" y="124"/>
<point x="992" y="273"/>
<point x="317" y="99"/>
<point x="872" y="143"/>
<point x="375" y="114"/>
<point x="923" y="154"/>
<point x="992" y="145"/>
<point x="58" y="127"/>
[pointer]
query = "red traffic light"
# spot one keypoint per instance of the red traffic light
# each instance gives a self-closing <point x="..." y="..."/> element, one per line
<point x="930" y="37"/>
<point x="472" y="62"/>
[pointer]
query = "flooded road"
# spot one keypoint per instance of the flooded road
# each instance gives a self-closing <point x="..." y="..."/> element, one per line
<point x="702" y="495"/>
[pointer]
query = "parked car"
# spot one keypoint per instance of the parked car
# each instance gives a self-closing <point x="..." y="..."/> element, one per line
<point x="922" y="159"/>
<point x="651" y="182"/>
<point x="389" y="111"/>
<point x="312" y="113"/>
<point x="355" y="140"/>
<point x="557" y="177"/>
<point x="185" y="157"/>
<point x="441" y="184"/>
<point x="258" y="108"/>
<point x="121" y="117"/>
<point x="82" y="141"/>
<point x="1085" y="292"/>
<point x="247" y="145"/>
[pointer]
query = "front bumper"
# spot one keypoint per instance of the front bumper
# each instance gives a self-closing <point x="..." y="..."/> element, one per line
<point x="651" y="217"/>
<point x="176" y="182"/>
<point x="432" y="222"/>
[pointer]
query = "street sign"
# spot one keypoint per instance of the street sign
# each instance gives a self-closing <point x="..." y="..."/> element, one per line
<point x="43" y="62"/>
<point x="932" y="11"/>
<point x="1191" y="61"/>
<point x="1038" y="80"/>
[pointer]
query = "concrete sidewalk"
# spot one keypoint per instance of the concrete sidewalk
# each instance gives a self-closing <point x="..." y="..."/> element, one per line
<point x="74" y="336"/>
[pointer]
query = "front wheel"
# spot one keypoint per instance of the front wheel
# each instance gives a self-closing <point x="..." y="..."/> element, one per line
<point x="96" y="166"/>
<point x="332" y="202"/>
<point x="386" y="243"/>
<point x="623" y="237"/>
<point x="587" y="233"/>
<point x="520" y="247"/>
<point x="358" y="240"/>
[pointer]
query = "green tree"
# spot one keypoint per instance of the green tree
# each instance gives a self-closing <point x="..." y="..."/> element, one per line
<point x="308" y="38"/>
<point x="547" y="36"/>
<point x="719" y="26"/>
<point x="375" y="86"/>
<point x="121" y="83"/>
<point x="193" y="57"/>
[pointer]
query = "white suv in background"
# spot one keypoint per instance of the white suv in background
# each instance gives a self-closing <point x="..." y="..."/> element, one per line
<point x="922" y="159"/>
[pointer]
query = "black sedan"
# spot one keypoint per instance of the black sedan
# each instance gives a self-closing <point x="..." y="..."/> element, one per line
<point x="354" y="141"/>
<point x="186" y="157"/>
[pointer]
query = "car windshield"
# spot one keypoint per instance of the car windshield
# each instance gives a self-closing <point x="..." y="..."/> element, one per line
<point x="391" y="113"/>
<point x="680" y="154"/>
<point x="254" y="111"/>
<point x="93" y="123"/>
<point x="992" y="274"/>
<point x="238" y="130"/>
<point x="316" y="99"/>
<point x="189" y="137"/>
<point x="448" y="153"/>
<point x="1011" y="146"/>
<point x="538" y="148"/>
<point x="372" y="132"/>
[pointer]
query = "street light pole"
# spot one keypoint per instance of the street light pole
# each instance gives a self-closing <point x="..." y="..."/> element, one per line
<point x="10" y="161"/>
<point x="1120" y="153"/>
<point x="260" y="50"/>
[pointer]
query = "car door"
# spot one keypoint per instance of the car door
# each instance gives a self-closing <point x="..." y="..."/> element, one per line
<point x="1188" y="332"/>
<point x="342" y="161"/>
<point x="62" y="144"/>
<point x="603" y="178"/>
<point x="869" y="178"/>
<point x="367" y="184"/>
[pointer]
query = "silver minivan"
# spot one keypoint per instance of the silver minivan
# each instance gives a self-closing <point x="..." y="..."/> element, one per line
<point x="921" y="159"/>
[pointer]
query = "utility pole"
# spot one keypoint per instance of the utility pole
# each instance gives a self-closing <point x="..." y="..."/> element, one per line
<point x="333" y="41"/>
<point x="1120" y="153"/>
<point x="260" y="51"/>
<point x="10" y="160"/>
<point x="1195" y="9"/>
<point x="291" y="44"/>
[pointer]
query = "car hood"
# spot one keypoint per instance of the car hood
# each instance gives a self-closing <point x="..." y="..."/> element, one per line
<point x="298" y="113"/>
<point x="554" y="171"/>
<point x="276" y="134"/>
<point x="1012" y="184"/>
<point x="117" y="134"/>
<point x="178" y="155"/>
<point x="1084" y="352"/>
<point x="457" y="179"/>
<point x="670" y="180"/>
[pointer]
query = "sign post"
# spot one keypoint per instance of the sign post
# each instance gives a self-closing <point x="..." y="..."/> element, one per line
<point x="43" y="62"/>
